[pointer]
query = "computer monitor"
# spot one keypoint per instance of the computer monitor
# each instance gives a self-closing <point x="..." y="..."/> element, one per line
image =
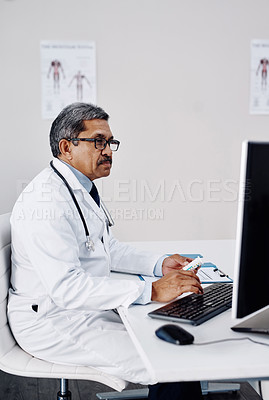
<point x="251" y="274"/>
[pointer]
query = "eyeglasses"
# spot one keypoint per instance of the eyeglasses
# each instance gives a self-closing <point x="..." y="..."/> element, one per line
<point x="99" y="143"/>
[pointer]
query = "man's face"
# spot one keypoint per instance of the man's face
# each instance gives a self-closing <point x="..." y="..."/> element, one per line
<point x="86" y="158"/>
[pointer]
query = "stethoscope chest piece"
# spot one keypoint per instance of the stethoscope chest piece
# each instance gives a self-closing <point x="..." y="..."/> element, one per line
<point x="89" y="244"/>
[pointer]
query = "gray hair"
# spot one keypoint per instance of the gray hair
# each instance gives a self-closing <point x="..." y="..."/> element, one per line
<point x="70" y="122"/>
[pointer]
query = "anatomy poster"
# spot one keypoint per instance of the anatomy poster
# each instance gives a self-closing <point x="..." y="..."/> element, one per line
<point x="68" y="75"/>
<point x="259" y="85"/>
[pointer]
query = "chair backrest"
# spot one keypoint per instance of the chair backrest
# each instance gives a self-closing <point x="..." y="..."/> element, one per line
<point x="7" y="341"/>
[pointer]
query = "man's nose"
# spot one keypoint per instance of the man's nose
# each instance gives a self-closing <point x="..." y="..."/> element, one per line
<point x="107" y="151"/>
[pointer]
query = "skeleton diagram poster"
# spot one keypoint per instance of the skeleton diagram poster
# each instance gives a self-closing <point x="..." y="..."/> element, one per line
<point x="259" y="85"/>
<point x="68" y="75"/>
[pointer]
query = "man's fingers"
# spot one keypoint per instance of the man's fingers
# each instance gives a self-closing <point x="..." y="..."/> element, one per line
<point x="190" y="274"/>
<point x="181" y="259"/>
<point x="191" y="288"/>
<point x="189" y="279"/>
<point x="174" y="284"/>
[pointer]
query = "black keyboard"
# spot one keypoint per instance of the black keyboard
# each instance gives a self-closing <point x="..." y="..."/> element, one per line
<point x="198" y="308"/>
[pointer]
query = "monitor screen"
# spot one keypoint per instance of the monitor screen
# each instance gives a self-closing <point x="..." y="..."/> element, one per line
<point x="251" y="280"/>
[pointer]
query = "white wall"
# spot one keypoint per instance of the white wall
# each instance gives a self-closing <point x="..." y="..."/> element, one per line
<point x="174" y="76"/>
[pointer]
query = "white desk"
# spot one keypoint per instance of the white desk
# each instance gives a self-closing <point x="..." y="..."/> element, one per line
<point x="222" y="361"/>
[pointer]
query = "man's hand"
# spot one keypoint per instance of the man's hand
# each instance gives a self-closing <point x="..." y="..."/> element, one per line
<point x="173" y="284"/>
<point x="174" y="262"/>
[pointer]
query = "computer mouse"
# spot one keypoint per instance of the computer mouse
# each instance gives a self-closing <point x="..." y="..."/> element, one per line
<point x="174" y="334"/>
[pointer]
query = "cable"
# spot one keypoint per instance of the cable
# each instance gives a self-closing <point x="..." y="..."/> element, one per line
<point x="230" y="340"/>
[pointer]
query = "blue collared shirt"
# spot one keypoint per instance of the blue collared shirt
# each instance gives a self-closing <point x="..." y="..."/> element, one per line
<point x="83" y="179"/>
<point x="145" y="297"/>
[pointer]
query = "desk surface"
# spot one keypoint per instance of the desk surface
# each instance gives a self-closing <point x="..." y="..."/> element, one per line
<point x="221" y="361"/>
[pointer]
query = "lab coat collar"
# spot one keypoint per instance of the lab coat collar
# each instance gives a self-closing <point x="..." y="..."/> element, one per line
<point x="83" y="179"/>
<point x="76" y="185"/>
<point x="68" y="174"/>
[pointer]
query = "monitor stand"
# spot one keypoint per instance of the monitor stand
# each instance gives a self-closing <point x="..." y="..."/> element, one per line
<point x="259" y="323"/>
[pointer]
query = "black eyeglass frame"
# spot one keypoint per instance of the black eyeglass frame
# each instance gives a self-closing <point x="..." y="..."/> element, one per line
<point x="106" y="142"/>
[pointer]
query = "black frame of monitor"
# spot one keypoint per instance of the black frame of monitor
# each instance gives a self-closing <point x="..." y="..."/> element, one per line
<point x="251" y="274"/>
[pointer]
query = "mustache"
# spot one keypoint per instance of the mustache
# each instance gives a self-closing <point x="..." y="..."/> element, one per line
<point x="105" y="159"/>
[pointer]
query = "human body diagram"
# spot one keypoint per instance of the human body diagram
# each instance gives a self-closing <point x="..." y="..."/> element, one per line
<point x="263" y="65"/>
<point x="79" y="78"/>
<point x="57" y="70"/>
<point x="56" y="67"/>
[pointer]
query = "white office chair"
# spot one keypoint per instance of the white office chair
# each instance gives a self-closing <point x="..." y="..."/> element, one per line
<point x="16" y="361"/>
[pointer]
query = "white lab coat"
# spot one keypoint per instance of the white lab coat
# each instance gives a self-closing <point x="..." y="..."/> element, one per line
<point x="73" y="322"/>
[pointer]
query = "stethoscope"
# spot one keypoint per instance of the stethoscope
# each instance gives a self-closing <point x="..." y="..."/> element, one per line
<point x="89" y="242"/>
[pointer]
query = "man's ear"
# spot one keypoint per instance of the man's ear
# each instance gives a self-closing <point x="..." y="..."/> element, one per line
<point x="65" y="149"/>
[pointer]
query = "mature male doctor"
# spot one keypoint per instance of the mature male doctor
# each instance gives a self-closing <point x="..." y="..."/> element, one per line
<point x="62" y="296"/>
